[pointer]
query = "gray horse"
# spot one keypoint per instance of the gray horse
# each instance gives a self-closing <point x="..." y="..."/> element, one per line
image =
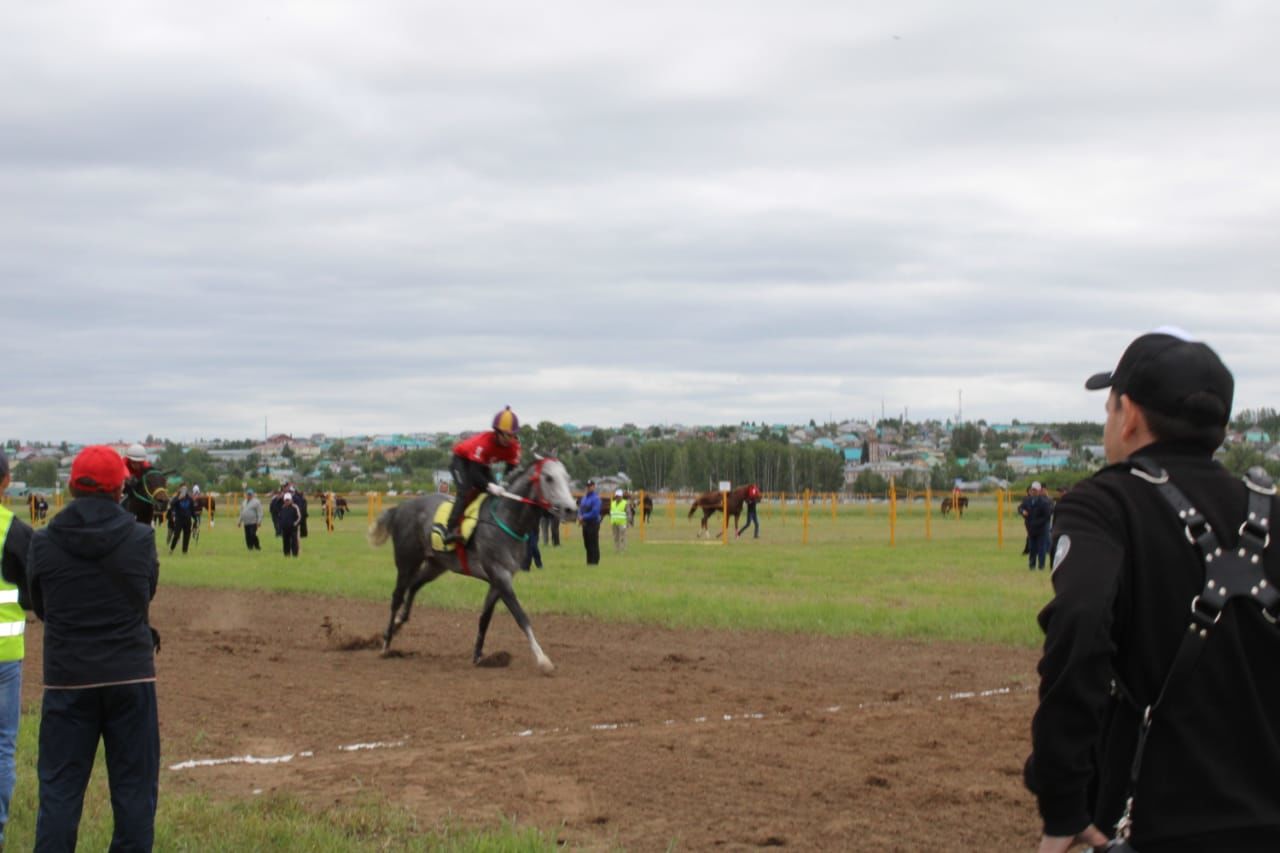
<point x="494" y="554"/>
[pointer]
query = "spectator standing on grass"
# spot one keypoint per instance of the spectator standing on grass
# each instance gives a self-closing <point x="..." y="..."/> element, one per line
<point x="618" y="521"/>
<point x="1159" y="701"/>
<point x="550" y="530"/>
<point x="273" y="507"/>
<point x="93" y="572"/>
<point x="532" y="554"/>
<point x="250" y="519"/>
<point x="15" y="538"/>
<point x="290" y="522"/>
<point x="181" y="514"/>
<point x="1037" y="515"/>
<point x="751" y="499"/>
<point x="589" y="521"/>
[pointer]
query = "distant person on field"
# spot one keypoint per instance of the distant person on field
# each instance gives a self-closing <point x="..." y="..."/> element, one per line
<point x="250" y="519"/>
<point x="550" y="530"/>
<point x="93" y="572"/>
<point x="589" y="521"/>
<point x="290" y="524"/>
<point x="15" y="539"/>
<point x="750" y="500"/>
<point x="618" y="520"/>
<point x="181" y="514"/>
<point x="1037" y="515"/>
<point x="273" y="507"/>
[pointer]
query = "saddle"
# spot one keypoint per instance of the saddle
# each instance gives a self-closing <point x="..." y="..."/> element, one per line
<point x="469" y="520"/>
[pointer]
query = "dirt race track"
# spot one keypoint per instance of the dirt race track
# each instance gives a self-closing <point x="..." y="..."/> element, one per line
<point x="644" y="738"/>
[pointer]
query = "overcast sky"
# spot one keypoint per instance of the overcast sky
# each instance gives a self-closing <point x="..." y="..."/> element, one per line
<point x="357" y="217"/>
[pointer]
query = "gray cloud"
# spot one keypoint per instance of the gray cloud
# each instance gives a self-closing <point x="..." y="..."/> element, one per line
<point x="349" y="218"/>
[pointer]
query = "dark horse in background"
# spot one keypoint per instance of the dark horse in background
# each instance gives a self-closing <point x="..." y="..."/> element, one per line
<point x="959" y="505"/>
<point x="206" y="502"/>
<point x="647" y="509"/>
<point x="712" y="502"/>
<point x="145" y="497"/>
<point x="494" y="553"/>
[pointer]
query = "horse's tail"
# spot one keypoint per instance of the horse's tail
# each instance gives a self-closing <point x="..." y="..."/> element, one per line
<point x="692" y="509"/>
<point x="380" y="530"/>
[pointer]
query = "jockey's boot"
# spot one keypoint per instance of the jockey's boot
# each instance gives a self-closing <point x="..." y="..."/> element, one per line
<point x="452" y="536"/>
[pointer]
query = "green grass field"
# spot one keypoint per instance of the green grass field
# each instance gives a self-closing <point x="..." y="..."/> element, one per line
<point x="838" y="575"/>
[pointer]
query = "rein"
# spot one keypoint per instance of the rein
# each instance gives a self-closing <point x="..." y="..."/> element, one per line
<point x="540" y="502"/>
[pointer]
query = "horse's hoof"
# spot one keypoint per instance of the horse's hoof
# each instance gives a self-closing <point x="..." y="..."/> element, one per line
<point x="546" y="666"/>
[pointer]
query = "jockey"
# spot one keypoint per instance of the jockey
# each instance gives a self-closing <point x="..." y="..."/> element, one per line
<point x="137" y="465"/>
<point x="471" y="461"/>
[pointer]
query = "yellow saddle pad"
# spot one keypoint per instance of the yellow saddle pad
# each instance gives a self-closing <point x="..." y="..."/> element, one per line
<point x="469" y="519"/>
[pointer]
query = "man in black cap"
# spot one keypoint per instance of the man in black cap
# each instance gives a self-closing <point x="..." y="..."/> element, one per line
<point x="589" y="518"/>
<point x="1141" y="551"/>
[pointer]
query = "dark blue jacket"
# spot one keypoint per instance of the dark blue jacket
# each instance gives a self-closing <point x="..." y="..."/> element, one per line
<point x="589" y="508"/>
<point x="93" y="633"/>
<point x="182" y="510"/>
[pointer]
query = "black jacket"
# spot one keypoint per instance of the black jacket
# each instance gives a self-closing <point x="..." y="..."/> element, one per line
<point x="13" y="562"/>
<point x="1124" y="577"/>
<point x="93" y="633"/>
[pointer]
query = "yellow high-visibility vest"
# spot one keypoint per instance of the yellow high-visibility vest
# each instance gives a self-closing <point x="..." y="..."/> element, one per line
<point x="13" y="619"/>
<point x="618" y="511"/>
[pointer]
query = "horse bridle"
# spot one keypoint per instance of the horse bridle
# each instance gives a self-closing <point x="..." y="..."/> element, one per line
<point x="539" y="501"/>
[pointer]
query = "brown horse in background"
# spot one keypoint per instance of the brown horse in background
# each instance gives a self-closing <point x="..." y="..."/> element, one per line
<point x="960" y="506"/>
<point x="712" y="502"/>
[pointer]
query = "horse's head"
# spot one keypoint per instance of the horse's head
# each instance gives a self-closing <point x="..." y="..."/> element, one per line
<point x="546" y="481"/>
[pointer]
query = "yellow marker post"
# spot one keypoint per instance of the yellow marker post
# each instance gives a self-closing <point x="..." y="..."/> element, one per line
<point x="893" y="513"/>
<point x="804" y="525"/>
<point x="928" y="512"/>
<point x="782" y="509"/>
<point x="1000" y="518"/>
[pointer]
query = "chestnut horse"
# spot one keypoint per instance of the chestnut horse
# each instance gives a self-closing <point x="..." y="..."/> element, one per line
<point x="712" y="502"/>
<point x="960" y="505"/>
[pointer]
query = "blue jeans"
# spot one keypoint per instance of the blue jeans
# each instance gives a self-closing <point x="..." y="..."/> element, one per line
<point x="10" y="713"/>
<point x="124" y="717"/>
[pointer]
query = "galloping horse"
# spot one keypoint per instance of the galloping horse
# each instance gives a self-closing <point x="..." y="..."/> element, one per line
<point x="145" y="497"/>
<point x="494" y="553"/>
<point x="712" y="502"/>
<point x="960" y="506"/>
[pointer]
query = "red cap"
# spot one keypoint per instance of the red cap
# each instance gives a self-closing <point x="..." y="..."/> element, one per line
<point x="98" y="468"/>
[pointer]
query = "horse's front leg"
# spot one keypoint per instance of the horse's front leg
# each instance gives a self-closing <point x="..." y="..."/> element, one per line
<point x="502" y="583"/>
<point x="490" y="601"/>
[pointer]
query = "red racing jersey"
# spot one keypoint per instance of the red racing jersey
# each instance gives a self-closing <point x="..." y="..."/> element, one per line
<point x="484" y="448"/>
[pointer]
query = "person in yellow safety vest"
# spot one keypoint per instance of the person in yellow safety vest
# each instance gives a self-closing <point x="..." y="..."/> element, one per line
<point x="15" y="537"/>
<point x="618" y="516"/>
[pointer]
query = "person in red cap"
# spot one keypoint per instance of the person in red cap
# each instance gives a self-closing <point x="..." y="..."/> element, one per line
<point x="92" y="574"/>
<point x="471" y="463"/>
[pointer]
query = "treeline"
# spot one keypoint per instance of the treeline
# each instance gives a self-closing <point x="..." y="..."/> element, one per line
<point x="701" y="465"/>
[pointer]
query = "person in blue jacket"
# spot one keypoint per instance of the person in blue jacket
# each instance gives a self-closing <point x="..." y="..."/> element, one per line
<point x="589" y="519"/>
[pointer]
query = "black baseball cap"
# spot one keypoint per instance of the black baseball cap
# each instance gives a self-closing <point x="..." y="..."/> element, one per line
<point x="1173" y="373"/>
<point x="591" y="482"/>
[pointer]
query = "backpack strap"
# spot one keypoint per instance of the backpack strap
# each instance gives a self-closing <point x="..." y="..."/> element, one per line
<point x="1228" y="574"/>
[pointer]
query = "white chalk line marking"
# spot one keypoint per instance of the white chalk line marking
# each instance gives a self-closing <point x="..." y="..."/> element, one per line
<point x="595" y="727"/>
